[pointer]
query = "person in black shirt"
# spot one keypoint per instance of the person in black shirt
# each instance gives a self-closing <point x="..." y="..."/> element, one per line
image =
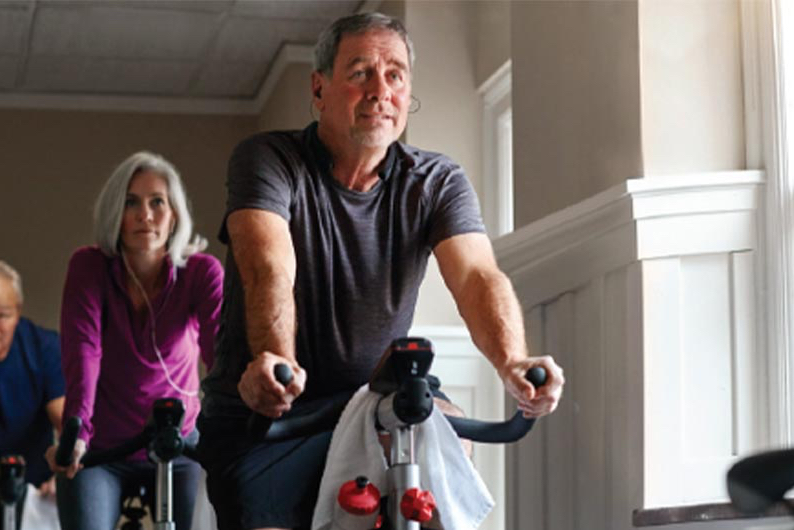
<point x="329" y="232"/>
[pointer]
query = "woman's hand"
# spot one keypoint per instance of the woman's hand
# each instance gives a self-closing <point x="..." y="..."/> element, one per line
<point x="77" y="454"/>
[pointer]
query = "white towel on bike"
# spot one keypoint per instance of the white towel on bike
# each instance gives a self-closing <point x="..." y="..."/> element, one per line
<point x="40" y="512"/>
<point x="462" y="498"/>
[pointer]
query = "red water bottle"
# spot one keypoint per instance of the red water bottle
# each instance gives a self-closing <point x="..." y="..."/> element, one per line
<point x="359" y="497"/>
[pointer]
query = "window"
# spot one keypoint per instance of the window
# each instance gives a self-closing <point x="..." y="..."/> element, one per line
<point x="497" y="199"/>
<point x="768" y="29"/>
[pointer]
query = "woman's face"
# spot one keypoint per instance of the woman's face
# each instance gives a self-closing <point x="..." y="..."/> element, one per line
<point x="148" y="218"/>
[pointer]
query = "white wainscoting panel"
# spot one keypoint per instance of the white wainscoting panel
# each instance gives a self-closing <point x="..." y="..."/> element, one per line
<point x="646" y="295"/>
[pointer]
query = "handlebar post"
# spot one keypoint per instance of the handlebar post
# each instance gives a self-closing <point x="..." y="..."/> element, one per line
<point x="164" y="517"/>
<point x="9" y="515"/>
<point x="403" y="445"/>
<point x="403" y="473"/>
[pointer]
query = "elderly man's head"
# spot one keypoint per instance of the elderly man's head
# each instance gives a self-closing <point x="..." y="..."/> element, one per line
<point x="362" y="80"/>
<point x="10" y="306"/>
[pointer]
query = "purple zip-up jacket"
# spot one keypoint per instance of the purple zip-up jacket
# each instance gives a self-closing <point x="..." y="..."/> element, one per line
<point x="113" y="375"/>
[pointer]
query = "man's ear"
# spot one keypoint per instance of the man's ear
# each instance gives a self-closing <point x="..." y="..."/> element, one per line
<point x="317" y="90"/>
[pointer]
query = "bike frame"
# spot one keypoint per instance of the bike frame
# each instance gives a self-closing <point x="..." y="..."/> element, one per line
<point x="12" y="487"/>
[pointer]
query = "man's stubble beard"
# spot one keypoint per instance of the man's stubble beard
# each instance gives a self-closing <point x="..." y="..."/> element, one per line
<point x="378" y="137"/>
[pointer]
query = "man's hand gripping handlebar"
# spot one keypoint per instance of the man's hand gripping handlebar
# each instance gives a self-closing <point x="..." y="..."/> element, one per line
<point x="258" y="425"/>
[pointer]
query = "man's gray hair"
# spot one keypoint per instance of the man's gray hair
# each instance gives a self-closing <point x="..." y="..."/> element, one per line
<point x="328" y="42"/>
<point x="109" y="207"/>
<point x="9" y="273"/>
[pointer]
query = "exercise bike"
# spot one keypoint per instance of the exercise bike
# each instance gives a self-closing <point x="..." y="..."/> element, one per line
<point x="163" y="441"/>
<point x="406" y="402"/>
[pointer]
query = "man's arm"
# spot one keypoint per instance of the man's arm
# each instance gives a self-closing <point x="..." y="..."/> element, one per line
<point x="54" y="409"/>
<point x="262" y="249"/>
<point x="490" y="309"/>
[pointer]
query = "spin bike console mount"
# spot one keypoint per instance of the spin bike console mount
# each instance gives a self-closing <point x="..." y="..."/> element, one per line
<point x="167" y="444"/>
<point x="401" y="380"/>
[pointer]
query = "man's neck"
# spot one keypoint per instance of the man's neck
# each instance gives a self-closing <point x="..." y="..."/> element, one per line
<point x="355" y="166"/>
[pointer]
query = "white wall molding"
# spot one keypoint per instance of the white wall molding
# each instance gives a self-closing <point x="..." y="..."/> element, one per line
<point x="156" y="105"/>
<point x="639" y="219"/>
<point x="768" y="145"/>
<point x="497" y="196"/>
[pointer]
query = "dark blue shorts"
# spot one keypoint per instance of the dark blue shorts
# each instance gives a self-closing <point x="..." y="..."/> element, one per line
<point x="255" y="485"/>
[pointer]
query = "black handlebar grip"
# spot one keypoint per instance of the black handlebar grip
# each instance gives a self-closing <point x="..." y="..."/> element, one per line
<point x="283" y="373"/>
<point x="500" y="432"/>
<point x="63" y="455"/>
<point x="258" y="425"/>
<point x="537" y="376"/>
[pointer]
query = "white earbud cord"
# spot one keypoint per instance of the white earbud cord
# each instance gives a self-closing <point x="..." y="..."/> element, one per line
<point x="171" y="382"/>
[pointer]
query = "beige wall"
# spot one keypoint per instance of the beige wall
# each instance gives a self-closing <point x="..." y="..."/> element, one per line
<point x="55" y="163"/>
<point x="393" y="8"/>
<point x="576" y="102"/>
<point x="288" y="106"/>
<point x="610" y="90"/>
<point x="492" y="34"/>
<point x="450" y="118"/>
<point x="692" y="96"/>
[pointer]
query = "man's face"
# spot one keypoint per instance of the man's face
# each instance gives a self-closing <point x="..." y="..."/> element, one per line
<point x="366" y="99"/>
<point x="9" y="315"/>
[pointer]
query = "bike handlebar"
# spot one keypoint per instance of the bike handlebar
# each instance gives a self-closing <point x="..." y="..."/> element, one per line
<point x="160" y="436"/>
<point x="63" y="456"/>
<point x="500" y="432"/>
<point x="326" y="414"/>
<point x="98" y="457"/>
<point x="259" y="426"/>
<point x="322" y="417"/>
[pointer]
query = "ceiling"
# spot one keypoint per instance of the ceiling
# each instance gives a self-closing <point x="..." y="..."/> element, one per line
<point x="166" y="55"/>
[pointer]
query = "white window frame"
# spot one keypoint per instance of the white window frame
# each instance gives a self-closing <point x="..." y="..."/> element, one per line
<point x="768" y="147"/>
<point x="497" y="175"/>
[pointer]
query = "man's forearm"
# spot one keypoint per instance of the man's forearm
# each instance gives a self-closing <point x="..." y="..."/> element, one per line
<point x="493" y="316"/>
<point x="265" y="261"/>
<point x="270" y="311"/>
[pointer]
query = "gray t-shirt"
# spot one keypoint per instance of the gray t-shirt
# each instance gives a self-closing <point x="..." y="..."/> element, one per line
<point x="361" y="256"/>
